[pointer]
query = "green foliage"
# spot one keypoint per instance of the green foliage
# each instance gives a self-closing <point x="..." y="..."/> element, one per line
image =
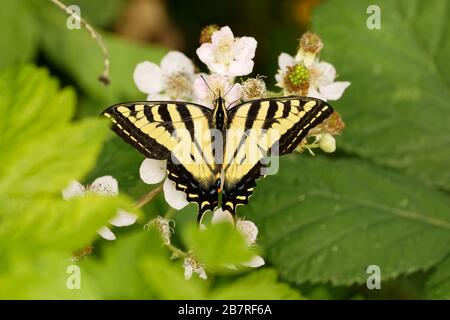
<point x="39" y="230"/>
<point x="322" y="220"/>
<point x="396" y="109"/>
<point x="438" y="285"/>
<point x="218" y="246"/>
<point x="261" y="284"/>
<point x="19" y="35"/>
<point x="333" y="218"/>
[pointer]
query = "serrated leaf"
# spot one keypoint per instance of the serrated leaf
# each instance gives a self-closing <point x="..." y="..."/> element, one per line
<point x="438" y="285"/>
<point x="39" y="144"/>
<point x="396" y="110"/>
<point x="42" y="150"/>
<point x="258" y="285"/>
<point x="333" y="218"/>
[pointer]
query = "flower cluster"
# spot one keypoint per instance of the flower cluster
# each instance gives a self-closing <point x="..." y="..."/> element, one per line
<point x="226" y="58"/>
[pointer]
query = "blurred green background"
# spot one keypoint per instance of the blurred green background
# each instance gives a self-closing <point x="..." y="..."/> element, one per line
<point x="381" y="199"/>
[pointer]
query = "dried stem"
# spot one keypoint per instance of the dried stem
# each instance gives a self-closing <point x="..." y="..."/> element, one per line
<point x="104" y="77"/>
<point x="146" y="198"/>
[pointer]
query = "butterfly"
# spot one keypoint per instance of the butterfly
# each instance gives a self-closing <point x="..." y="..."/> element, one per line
<point x="219" y="152"/>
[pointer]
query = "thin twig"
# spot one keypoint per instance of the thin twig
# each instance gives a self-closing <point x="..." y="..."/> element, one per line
<point x="146" y="198"/>
<point x="104" y="77"/>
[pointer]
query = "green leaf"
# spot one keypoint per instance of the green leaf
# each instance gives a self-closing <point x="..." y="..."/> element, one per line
<point x="100" y="13"/>
<point x="39" y="145"/>
<point x="217" y="246"/>
<point x="396" y="110"/>
<point x="438" y="285"/>
<point x="258" y="285"/>
<point x="329" y="219"/>
<point x="42" y="150"/>
<point x="116" y="273"/>
<point x="19" y="35"/>
<point x="167" y="280"/>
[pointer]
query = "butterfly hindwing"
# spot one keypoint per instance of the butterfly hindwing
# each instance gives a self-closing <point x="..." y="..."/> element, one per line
<point x="253" y="129"/>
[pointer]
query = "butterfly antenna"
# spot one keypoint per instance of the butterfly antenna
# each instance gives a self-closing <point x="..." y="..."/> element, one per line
<point x="229" y="90"/>
<point x="214" y="94"/>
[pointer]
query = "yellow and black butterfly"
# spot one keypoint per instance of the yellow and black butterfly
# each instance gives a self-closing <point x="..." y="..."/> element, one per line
<point x="219" y="151"/>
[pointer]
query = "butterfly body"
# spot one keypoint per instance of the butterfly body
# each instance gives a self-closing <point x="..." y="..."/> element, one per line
<point x="220" y="150"/>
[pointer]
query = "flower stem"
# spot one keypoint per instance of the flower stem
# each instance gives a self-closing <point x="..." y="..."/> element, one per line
<point x="169" y="213"/>
<point x="146" y="198"/>
<point x="104" y="77"/>
<point x="177" y="251"/>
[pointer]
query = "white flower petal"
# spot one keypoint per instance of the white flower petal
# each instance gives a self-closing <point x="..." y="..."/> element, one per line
<point x="255" y="262"/>
<point x="123" y="218"/>
<point x="220" y="216"/>
<point x="201" y="273"/>
<point x="152" y="171"/>
<point x="175" y="198"/>
<point x="279" y="78"/>
<point x="334" y="91"/>
<point x="234" y="95"/>
<point x="218" y="67"/>
<point x="107" y="234"/>
<point x="285" y="60"/>
<point x="73" y="190"/>
<point x="176" y="62"/>
<point x="240" y="67"/>
<point x="206" y="53"/>
<point x="223" y="35"/>
<point x="322" y="73"/>
<point x="244" y="48"/>
<point x="249" y="230"/>
<point x="105" y="186"/>
<point x="157" y="97"/>
<point x="313" y="93"/>
<point x="201" y="90"/>
<point x="148" y="77"/>
<point x="187" y="270"/>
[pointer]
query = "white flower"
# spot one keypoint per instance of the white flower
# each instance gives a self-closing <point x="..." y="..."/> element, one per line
<point x="321" y="77"/>
<point x="218" y="84"/>
<point x="191" y="265"/>
<point x="104" y="186"/>
<point x="154" y="171"/>
<point x="170" y="81"/>
<point x="227" y="55"/>
<point x="247" y="228"/>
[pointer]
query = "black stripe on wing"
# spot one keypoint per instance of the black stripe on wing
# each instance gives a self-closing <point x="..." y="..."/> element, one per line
<point x="146" y="145"/>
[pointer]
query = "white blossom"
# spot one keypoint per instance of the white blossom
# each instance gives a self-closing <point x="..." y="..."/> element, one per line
<point x="172" y="80"/>
<point x="211" y="86"/>
<point x="191" y="265"/>
<point x="228" y="55"/>
<point x="322" y="75"/>
<point x="103" y="186"/>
